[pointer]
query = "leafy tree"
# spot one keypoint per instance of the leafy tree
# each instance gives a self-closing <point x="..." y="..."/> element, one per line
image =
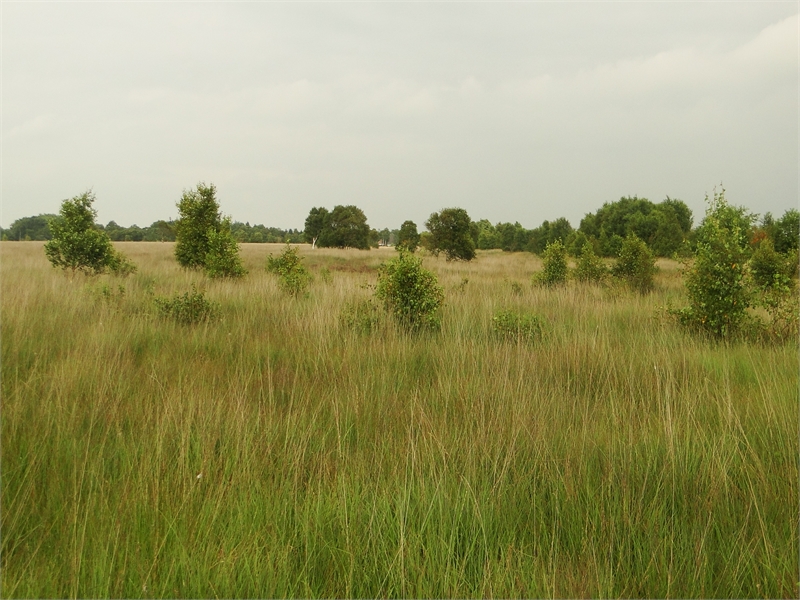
<point x="787" y="231"/>
<point x="452" y="233"/>
<point x="409" y="292"/>
<point x="79" y="245"/>
<point x="663" y="227"/>
<point x="30" y="228"/>
<point x="199" y="215"/>
<point x="222" y="259"/>
<point x="316" y="222"/>
<point x="718" y="299"/>
<point x="487" y="236"/>
<point x="408" y="237"/>
<point x="768" y="267"/>
<point x="635" y="264"/>
<point x="345" y="227"/>
<point x="555" y="265"/>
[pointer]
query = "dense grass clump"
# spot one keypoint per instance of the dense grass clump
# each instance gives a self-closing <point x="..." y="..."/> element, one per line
<point x="512" y="325"/>
<point x="273" y="453"/>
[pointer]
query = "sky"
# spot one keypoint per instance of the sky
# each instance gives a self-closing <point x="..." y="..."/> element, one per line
<point x="515" y="111"/>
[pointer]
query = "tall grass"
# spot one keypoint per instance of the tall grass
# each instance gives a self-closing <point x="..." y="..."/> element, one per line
<point x="278" y="453"/>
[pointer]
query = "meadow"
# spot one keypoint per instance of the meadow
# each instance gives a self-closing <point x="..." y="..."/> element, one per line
<point x="278" y="452"/>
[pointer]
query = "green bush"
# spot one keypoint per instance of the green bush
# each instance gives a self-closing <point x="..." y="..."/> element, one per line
<point x="409" y="292"/>
<point x="768" y="267"/>
<point x="718" y="299"/>
<point x="293" y="277"/>
<point x="636" y="265"/>
<point x="515" y="326"/>
<point x="77" y="243"/>
<point x="555" y="265"/>
<point x="188" y="308"/>
<point x="590" y="267"/>
<point x="222" y="258"/>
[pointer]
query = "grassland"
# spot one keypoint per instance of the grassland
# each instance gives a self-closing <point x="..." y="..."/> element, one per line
<point x="278" y="453"/>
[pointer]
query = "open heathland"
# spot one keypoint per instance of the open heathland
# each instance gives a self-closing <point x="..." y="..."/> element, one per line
<point x="280" y="450"/>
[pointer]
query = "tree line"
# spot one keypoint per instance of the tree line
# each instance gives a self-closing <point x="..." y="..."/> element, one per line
<point x="665" y="227"/>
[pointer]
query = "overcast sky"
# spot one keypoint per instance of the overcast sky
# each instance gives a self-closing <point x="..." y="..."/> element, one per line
<point x="513" y="111"/>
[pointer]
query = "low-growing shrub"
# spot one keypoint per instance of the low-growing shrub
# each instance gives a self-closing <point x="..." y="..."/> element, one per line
<point x="554" y="271"/>
<point x="188" y="308"/>
<point x="409" y="292"/>
<point x="362" y="316"/>
<point x="636" y="265"/>
<point x="293" y="277"/>
<point x="516" y="326"/>
<point x="516" y="288"/>
<point x="590" y="267"/>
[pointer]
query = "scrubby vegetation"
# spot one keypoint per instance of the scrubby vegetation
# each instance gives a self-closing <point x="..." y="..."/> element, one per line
<point x="288" y="449"/>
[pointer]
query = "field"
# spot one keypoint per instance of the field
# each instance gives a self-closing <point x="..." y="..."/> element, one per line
<point x="278" y="452"/>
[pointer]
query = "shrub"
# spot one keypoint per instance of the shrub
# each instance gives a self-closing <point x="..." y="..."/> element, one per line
<point x="222" y="258"/>
<point x="555" y="265"/>
<point x="77" y="243"/>
<point x="636" y="265"/>
<point x="768" y="267"/>
<point x="188" y="308"/>
<point x="714" y="283"/>
<point x="511" y="325"/>
<point x="590" y="267"/>
<point x="293" y="277"/>
<point x="409" y="292"/>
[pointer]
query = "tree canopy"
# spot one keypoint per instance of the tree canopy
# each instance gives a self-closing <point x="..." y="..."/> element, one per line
<point x="344" y="227"/>
<point x="454" y="233"/>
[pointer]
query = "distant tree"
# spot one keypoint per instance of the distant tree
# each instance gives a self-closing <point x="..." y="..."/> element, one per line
<point x="787" y="231"/>
<point x="452" y="233"/>
<point x="199" y="214"/>
<point x="488" y="238"/>
<point x="408" y="237"/>
<point x="30" y="228"/>
<point x="346" y="228"/>
<point x="79" y="245"/>
<point x="316" y="222"/>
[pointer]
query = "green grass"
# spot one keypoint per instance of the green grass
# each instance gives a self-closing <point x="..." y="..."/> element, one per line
<point x="277" y="452"/>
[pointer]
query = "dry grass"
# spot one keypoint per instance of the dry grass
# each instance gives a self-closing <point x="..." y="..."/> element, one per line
<point x="615" y="457"/>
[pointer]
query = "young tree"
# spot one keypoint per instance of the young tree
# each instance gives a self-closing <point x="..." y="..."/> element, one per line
<point x="199" y="214"/>
<point x="316" y="222"/>
<point x="78" y="244"/>
<point x="222" y="259"/>
<point x="555" y="265"/>
<point x="718" y="299"/>
<point x="452" y="233"/>
<point x="409" y="292"/>
<point x="636" y="264"/>
<point x="408" y="237"/>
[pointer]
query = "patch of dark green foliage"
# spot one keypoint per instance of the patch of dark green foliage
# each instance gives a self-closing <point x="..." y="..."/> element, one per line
<point x="188" y="308"/>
